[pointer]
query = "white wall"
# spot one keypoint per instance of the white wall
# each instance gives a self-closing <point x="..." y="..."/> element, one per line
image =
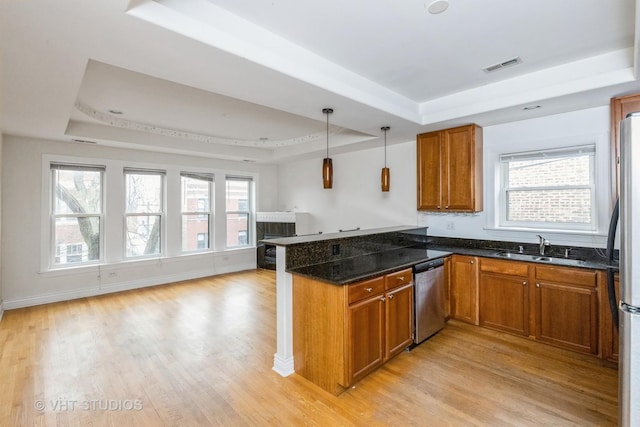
<point x="1" y="152"/>
<point x="23" y="280"/>
<point x="356" y="199"/>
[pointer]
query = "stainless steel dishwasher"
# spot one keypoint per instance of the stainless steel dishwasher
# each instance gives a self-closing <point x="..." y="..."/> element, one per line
<point x="428" y="304"/>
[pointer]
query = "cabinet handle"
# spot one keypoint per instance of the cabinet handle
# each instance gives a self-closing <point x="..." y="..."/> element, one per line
<point x="472" y="262"/>
<point x="368" y="289"/>
<point x="438" y="206"/>
<point x="391" y="296"/>
<point x="524" y="283"/>
<point x="401" y="278"/>
<point x="537" y="285"/>
<point x="446" y="207"/>
<point x="382" y="299"/>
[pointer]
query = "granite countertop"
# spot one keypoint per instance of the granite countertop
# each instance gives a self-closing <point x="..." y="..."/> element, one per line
<point x="595" y="264"/>
<point x="350" y="270"/>
<point x="309" y="238"/>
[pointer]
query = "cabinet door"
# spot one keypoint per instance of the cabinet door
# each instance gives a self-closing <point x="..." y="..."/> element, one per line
<point x="459" y="186"/>
<point x="429" y="174"/>
<point x="366" y="336"/>
<point x="463" y="294"/>
<point x="399" y="319"/>
<point x="620" y="107"/>
<point x="504" y="303"/>
<point x="567" y="315"/>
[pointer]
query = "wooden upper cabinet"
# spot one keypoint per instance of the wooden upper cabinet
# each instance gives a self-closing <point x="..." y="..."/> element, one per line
<point x="620" y="107"/>
<point x="450" y="170"/>
<point x="430" y="161"/>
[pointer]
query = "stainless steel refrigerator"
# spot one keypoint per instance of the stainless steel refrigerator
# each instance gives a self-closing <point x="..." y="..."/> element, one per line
<point x="629" y="298"/>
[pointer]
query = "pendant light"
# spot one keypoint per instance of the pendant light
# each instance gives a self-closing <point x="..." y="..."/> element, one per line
<point x="327" y="164"/>
<point x="385" y="177"/>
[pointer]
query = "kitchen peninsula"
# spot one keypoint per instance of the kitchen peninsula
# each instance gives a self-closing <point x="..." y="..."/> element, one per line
<point x="339" y="259"/>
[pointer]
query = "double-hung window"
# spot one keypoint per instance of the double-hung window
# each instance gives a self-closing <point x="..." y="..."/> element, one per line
<point x="77" y="213"/>
<point x="238" y="210"/>
<point x="196" y="210"/>
<point x="549" y="189"/>
<point x="144" y="212"/>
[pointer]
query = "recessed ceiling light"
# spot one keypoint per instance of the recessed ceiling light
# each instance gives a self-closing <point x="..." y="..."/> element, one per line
<point x="531" y="107"/>
<point x="118" y="112"/>
<point x="438" y="6"/>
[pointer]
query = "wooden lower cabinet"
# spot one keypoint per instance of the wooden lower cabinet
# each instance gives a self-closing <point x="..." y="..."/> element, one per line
<point x="558" y="305"/>
<point x="341" y="333"/>
<point x="366" y="336"/>
<point x="504" y="295"/>
<point x="463" y="291"/>
<point x="609" y="332"/>
<point x="398" y="320"/>
<point x="566" y="308"/>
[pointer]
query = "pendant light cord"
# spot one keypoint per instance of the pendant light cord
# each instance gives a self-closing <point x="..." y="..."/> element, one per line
<point x="327" y="111"/>
<point x="385" y="129"/>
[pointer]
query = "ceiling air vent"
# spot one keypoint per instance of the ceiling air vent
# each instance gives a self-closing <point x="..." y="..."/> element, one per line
<point x="501" y="65"/>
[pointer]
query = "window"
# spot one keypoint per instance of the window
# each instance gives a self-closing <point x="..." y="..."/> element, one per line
<point x="552" y="189"/>
<point x="238" y="209"/>
<point x="76" y="219"/>
<point x="196" y="210"/>
<point x="203" y="240"/>
<point x="144" y="211"/>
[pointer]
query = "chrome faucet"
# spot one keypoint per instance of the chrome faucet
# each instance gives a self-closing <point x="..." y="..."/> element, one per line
<point x="543" y="242"/>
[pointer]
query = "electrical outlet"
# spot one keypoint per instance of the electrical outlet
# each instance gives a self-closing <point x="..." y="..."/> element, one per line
<point x="450" y="225"/>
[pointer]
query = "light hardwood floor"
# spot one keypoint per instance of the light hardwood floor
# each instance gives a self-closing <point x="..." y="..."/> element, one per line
<point x="200" y="352"/>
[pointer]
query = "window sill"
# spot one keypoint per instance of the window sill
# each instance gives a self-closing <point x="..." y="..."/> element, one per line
<point x="99" y="269"/>
<point x="565" y="232"/>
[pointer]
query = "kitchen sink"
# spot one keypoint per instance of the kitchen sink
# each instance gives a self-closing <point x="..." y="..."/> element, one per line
<point x="539" y="258"/>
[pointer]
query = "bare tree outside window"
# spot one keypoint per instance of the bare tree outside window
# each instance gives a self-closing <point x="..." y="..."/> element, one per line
<point x="144" y="210"/>
<point x="76" y="213"/>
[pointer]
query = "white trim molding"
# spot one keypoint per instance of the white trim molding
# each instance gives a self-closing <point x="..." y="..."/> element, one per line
<point x="126" y="286"/>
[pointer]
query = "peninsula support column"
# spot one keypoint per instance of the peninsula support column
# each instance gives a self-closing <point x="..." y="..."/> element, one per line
<point x="283" y="358"/>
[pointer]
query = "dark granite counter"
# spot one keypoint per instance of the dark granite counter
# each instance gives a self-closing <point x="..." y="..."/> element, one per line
<point x="349" y="270"/>
<point x="370" y="253"/>
<point x="514" y="256"/>
<point x="582" y="257"/>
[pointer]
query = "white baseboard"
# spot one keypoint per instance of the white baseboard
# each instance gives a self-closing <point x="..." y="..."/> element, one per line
<point x="123" y="286"/>
<point x="283" y="366"/>
<point x="1" y="309"/>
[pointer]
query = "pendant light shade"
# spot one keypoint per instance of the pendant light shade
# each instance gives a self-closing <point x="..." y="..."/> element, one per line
<point x="385" y="176"/>
<point x="327" y="163"/>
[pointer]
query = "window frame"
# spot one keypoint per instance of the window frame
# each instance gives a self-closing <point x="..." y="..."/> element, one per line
<point x="161" y="214"/>
<point x="53" y="216"/>
<point x="210" y="213"/>
<point x="548" y="153"/>
<point x="249" y="212"/>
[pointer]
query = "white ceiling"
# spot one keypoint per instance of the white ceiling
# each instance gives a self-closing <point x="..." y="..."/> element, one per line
<point x="247" y="79"/>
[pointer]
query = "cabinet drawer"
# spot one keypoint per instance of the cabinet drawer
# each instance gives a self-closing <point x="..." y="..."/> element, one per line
<point x="361" y="290"/>
<point x="574" y="276"/>
<point x="511" y="268"/>
<point x="398" y="278"/>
